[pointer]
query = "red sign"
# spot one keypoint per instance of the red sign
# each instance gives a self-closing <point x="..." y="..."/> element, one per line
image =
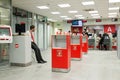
<point x="84" y="21"/>
<point x="109" y="28"/>
<point x="98" y="20"/>
<point x="76" y="29"/>
<point x="16" y="45"/>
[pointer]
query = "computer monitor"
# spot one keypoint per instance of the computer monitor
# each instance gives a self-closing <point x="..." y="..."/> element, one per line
<point x="77" y="23"/>
<point x="4" y="31"/>
<point x="20" y="28"/>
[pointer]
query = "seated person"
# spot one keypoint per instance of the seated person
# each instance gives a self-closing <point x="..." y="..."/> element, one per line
<point x="34" y="45"/>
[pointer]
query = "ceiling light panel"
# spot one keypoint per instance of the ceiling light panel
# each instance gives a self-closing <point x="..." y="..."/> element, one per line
<point x="55" y="12"/>
<point x="68" y="18"/>
<point x="114" y="8"/>
<point x="81" y="17"/>
<point x="42" y="7"/>
<point x="88" y="3"/>
<point x="64" y="5"/>
<point x="112" y="13"/>
<point x="73" y="11"/>
<point x="112" y="16"/>
<point x="96" y="16"/>
<point x="78" y="15"/>
<point x="92" y="12"/>
<point x="114" y="1"/>
<point x="63" y="16"/>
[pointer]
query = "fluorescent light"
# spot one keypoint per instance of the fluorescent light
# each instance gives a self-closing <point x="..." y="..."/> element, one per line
<point x="64" y="5"/>
<point x="81" y="17"/>
<point x="88" y="3"/>
<point x="49" y="19"/>
<point x="68" y="18"/>
<point x="78" y="15"/>
<point x="94" y="14"/>
<point x="3" y="16"/>
<point x="52" y="20"/>
<point x="63" y="16"/>
<point x="111" y="16"/>
<point x="114" y="1"/>
<point x="73" y="11"/>
<point x="114" y="8"/>
<point x="55" y="12"/>
<point x="112" y="13"/>
<point x="93" y="11"/>
<point x="42" y="7"/>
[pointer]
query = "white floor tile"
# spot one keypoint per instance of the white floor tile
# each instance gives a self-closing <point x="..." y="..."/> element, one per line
<point x="96" y="65"/>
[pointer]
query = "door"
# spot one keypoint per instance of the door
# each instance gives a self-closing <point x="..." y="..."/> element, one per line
<point x="40" y="36"/>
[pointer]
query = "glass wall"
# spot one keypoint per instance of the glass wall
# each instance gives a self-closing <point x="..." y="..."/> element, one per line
<point x="5" y="19"/>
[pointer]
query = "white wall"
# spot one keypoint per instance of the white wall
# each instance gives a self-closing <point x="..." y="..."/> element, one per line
<point x="91" y="23"/>
<point x="62" y="25"/>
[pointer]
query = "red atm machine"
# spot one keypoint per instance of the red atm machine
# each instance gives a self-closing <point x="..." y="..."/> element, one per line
<point x="76" y="47"/>
<point x="85" y="44"/>
<point x="61" y="53"/>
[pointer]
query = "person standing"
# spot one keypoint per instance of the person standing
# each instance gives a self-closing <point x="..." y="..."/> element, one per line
<point x="34" y="45"/>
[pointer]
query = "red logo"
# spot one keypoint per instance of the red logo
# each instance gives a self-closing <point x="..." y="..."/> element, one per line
<point x="16" y="45"/>
<point x="59" y="53"/>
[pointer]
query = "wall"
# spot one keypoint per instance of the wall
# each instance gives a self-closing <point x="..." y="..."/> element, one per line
<point x="62" y="25"/>
<point x="90" y="23"/>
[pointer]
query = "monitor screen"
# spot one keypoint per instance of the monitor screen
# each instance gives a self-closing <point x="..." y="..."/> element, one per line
<point x="20" y="28"/>
<point x="89" y="34"/>
<point x="4" y="32"/>
<point x="77" y="23"/>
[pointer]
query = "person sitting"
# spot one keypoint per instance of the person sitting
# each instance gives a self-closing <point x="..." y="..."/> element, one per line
<point x="34" y="45"/>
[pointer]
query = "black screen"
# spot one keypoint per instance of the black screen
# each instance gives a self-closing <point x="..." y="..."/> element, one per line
<point x="20" y="28"/>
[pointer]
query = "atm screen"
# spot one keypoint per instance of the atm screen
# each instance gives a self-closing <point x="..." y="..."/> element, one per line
<point x="4" y="31"/>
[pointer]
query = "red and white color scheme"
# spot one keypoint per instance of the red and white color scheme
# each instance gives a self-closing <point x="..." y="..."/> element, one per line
<point x="5" y="34"/>
<point x="76" y="47"/>
<point x="61" y="53"/>
<point x="85" y="44"/>
<point x="109" y="28"/>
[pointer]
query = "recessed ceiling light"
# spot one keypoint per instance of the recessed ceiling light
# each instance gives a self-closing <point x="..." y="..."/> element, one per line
<point x="68" y="18"/>
<point x="114" y="1"/>
<point x="52" y="20"/>
<point x="63" y="16"/>
<point x="78" y="15"/>
<point x="96" y="16"/>
<point x="93" y="12"/>
<point x="3" y="16"/>
<point x="49" y="19"/>
<point x="64" y="5"/>
<point x="112" y="16"/>
<point x="114" y="8"/>
<point x="55" y="12"/>
<point x="112" y="13"/>
<point x="42" y="7"/>
<point x="81" y="17"/>
<point x="88" y="3"/>
<point x="73" y="11"/>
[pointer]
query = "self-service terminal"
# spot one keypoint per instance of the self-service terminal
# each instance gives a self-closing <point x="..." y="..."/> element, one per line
<point x="5" y="38"/>
<point x="5" y="34"/>
<point x="61" y="53"/>
<point x="76" y="47"/>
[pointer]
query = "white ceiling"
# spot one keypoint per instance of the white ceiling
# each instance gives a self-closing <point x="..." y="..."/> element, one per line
<point x="100" y="5"/>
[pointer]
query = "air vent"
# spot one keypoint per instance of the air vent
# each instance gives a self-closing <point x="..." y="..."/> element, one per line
<point x="88" y="9"/>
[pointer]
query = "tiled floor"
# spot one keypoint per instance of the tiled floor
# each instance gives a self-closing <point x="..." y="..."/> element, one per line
<point x="96" y="65"/>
